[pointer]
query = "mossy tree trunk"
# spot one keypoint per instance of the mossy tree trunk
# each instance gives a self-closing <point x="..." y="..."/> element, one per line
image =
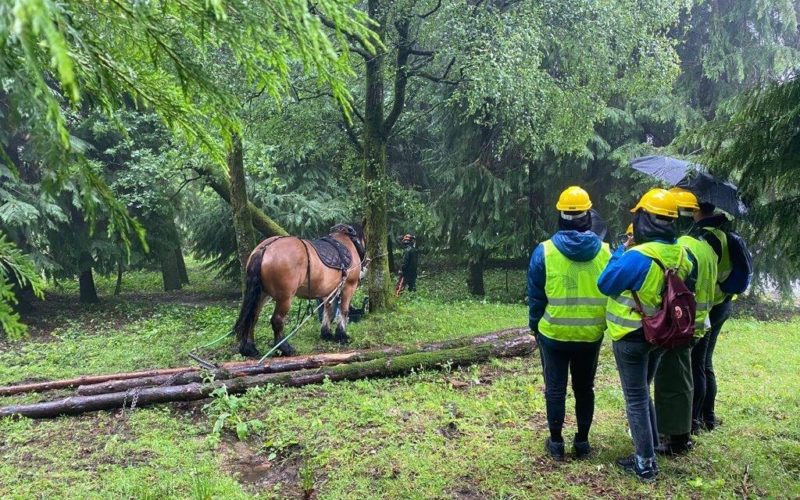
<point x="242" y="220"/>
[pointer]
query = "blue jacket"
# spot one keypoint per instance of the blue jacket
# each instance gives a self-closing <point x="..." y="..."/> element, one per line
<point x="627" y="271"/>
<point x="575" y="245"/>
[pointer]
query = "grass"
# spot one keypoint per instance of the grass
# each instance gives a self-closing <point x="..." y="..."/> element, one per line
<point x="464" y="433"/>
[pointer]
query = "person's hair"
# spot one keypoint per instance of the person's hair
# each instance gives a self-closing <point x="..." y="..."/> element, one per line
<point x="707" y="209"/>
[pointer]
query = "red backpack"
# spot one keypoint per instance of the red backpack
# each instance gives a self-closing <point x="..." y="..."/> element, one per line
<point x="673" y="325"/>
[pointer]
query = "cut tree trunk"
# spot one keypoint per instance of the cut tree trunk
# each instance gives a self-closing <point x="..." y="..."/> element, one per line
<point x="235" y="366"/>
<point x="293" y="363"/>
<point x="509" y="346"/>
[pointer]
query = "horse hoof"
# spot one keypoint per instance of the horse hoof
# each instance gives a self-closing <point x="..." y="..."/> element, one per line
<point x="287" y="350"/>
<point x="249" y="350"/>
<point x="325" y="334"/>
<point x="342" y="339"/>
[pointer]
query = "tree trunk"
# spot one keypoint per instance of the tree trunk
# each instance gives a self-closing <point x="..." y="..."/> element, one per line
<point x="242" y="220"/>
<point x="512" y="346"/>
<point x="293" y="363"/>
<point x="374" y="175"/>
<point x="271" y="365"/>
<point x="88" y="292"/>
<point x="118" y="286"/>
<point x="475" y="282"/>
<point x="169" y="271"/>
<point x="261" y="222"/>
<point x="182" y="272"/>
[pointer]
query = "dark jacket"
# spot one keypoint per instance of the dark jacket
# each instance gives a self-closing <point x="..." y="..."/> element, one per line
<point x="410" y="259"/>
<point x="577" y="246"/>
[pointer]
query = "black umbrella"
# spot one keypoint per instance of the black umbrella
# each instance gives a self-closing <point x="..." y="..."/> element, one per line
<point x="599" y="226"/>
<point x="693" y="177"/>
<point x="719" y="193"/>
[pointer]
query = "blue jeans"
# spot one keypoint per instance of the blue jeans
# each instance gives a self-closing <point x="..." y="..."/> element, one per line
<point x="637" y="362"/>
<point x="559" y="359"/>
<point x="705" y="381"/>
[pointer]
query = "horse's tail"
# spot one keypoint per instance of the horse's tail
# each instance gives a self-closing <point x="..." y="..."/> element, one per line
<point x="252" y="295"/>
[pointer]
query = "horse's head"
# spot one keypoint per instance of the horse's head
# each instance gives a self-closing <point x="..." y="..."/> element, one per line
<point x="356" y="234"/>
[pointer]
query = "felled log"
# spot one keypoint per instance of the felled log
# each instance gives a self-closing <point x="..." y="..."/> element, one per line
<point x="287" y="364"/>
<point x="504" y="346"/>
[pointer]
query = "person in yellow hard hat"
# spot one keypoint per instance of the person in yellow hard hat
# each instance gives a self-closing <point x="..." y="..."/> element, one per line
<point x="637" y="270"/>
<point x="677" y="379"/>
<point x="567" y="314"/>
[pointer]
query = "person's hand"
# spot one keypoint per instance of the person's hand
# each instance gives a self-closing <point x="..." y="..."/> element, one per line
<point x="629" y="242"/>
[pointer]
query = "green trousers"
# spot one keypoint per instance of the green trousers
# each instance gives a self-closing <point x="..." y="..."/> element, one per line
<point x="673" y="392"/>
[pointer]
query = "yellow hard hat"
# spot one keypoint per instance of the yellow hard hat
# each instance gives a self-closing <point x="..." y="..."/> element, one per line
<point x="686" y="199"/>
<point x="629" y="230"/>
<point x="574" y="199"/>
<point x="658" y="201"/>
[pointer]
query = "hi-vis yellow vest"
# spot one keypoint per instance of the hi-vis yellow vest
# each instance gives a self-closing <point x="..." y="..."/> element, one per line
<point x="724" y="266"/>
<point x="706" y="261"/>
<point x="575" y="307"/>
<point x="621" y="316"/>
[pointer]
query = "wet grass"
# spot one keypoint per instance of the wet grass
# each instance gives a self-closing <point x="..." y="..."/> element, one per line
<point x="464" y="433"/>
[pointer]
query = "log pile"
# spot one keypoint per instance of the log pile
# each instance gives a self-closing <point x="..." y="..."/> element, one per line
<point x="105" y="392"/>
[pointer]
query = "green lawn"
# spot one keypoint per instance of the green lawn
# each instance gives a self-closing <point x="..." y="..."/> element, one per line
<point x="468" y="433"/>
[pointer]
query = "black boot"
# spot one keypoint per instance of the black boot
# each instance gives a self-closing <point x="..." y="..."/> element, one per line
<point x="554" y="449"/>
<point x="581" y="449"/>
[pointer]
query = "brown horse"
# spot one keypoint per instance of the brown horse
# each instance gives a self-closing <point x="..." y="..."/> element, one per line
<point x="284" y="267"/>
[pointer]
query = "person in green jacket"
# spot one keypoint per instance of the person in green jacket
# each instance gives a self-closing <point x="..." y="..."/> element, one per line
<point x="408" y="268"/>
<point x="674" y="380"/>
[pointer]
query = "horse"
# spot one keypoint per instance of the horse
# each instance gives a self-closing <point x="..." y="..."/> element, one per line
<point x="284" y="267"/>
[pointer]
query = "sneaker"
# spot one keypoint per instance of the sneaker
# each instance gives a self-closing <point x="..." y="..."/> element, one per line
<point x="554" y="449"/>
<point x="581" y="449"/>
<point x="646" y="473"/>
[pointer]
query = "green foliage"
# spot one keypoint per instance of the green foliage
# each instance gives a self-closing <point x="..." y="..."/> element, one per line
<point x="15" y="269"/>
<point x="757" y="143"/>
<point x="226" y="411"/>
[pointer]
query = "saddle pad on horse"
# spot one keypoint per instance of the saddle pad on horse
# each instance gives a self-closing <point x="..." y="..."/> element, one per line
<point x="332" y="253"/>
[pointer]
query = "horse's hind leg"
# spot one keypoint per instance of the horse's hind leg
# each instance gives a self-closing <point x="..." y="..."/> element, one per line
<point x="278" y="321"/>
<point x="325" y="331"/>
<point x="344" y="312"/>
<point x="247" y="347"/>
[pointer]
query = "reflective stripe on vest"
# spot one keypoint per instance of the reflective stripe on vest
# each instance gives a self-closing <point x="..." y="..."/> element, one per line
<point x="575" y="307"/>
<point x="621" y="317"/>
<point x="705" y="288"/>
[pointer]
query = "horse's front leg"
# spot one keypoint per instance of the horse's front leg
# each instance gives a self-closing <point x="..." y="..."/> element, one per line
<point x="344" y="312"/>
<point x="325" y="331"/>
<point x="278" y="321"/>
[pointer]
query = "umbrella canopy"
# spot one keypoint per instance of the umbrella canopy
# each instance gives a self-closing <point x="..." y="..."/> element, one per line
<point x="666" y="168"/>
<point x="599" y="226"/>
<point x="691" y="176"/>
<point x="721" y="194"/>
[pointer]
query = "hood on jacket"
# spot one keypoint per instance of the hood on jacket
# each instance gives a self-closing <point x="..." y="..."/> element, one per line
<point x="580" y="246"/>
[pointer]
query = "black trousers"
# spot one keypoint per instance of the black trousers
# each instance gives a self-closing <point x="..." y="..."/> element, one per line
<point x="705" y="381"/>
<point x="559" y="359"/>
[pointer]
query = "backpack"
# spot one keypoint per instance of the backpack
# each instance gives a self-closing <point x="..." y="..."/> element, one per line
<point x="673" y="325"/>
<point x="741" y="265"/>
